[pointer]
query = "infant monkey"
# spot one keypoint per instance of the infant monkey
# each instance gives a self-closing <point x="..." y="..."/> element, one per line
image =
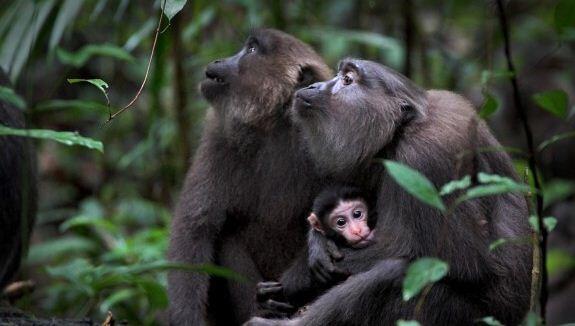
<point x="341" y="214"/>
<point x="339" y="218"/>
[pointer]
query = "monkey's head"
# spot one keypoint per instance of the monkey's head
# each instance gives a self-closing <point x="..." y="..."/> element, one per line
<point x="260" y="80"/>
<point x="347" y="120"/>
<point x="341" y="214"/>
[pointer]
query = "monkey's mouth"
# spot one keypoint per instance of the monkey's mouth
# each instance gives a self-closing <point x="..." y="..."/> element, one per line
<point x="213" y="77"/>
<point x="365" y="241"/>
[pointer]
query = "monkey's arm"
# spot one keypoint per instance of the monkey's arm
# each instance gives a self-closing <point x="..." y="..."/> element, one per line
<point x="322" y="255"/>
<point x="299" y="284"/>
<point x="197" y="222"/>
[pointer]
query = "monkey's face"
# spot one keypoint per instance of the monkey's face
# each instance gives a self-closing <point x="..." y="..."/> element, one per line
<point x="348" y="119"/>
<point x="259" y="81"/>
<point x="349" y="220"/>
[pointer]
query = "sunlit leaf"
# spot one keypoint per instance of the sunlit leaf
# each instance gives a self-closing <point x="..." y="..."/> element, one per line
<point x="489" y="321"/>
<point x="532" y="319"/>
<point x="495" y="244"/>
<point x="455" y="185"/>
<point x="100" y="84"/>
<point x="8" y="95"/>
<point x="550" y="223"/>
<point x="402" y="322"/>
<point x="172" y="7"/>
<point x="488" y="107"/>
<point x="414" y="183"/>
<point x="421" y="273"/>
<point x="493" y="184"/>
<point x="554" y="102"/>
<point x="64" y="137"/>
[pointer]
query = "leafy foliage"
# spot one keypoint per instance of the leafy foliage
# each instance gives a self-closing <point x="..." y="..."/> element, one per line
<point x="64" y="137"/>
<point x="421" y="273"/>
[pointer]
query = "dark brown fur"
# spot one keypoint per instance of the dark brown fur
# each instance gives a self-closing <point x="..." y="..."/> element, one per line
<point x="383" y="114"/>
<point x="246" y="196"/>
<point x="17" y="192"/>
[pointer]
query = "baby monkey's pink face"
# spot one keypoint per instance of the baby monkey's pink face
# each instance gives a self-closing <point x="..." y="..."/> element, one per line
<point x="349" y="219"/>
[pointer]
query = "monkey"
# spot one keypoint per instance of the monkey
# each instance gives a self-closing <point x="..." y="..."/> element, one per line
<point x="18" y="191"/>
<point x="370" y="112"/>
<point x="341" y="214"/>
<point x="251" y="181"/>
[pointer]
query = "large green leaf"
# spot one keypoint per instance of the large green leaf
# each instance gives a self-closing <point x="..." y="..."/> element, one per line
<point x="421" y="273"/>
<point x="489" y="106"/>
<point x="172" y="7"/>
<point x="414" y="183"/>
<point x="64" y="137"/>
<point x="554" y="102"/>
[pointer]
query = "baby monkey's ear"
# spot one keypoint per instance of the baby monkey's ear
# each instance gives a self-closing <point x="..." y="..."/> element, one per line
<point x="315" y="224"/>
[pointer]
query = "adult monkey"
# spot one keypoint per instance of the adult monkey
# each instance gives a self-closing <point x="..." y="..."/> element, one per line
<point x="246" y="196"/>
<point x="371" y="111"/>
<point x="18" y="191"/>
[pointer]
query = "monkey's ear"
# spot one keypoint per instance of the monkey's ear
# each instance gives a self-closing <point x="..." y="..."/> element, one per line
<point x="408" y="111"/>
<point x="307" y="76"/>
<point x="314" y="222"/>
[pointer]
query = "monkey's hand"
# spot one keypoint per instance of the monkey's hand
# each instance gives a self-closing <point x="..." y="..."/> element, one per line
<point x="271" y="300"/>
<point x="323" y="254"/>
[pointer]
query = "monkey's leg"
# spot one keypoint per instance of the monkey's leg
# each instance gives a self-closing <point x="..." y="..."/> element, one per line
<point x="241" y="293"/>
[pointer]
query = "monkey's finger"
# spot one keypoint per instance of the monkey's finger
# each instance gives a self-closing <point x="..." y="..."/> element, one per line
<point x="270" y="290"/>
<point x="280" y="306"/>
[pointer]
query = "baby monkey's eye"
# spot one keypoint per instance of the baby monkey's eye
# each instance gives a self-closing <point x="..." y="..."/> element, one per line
<point x="347" y="80"/>
<point x="251" y="49"/>
<point x="357" y="214"/>
<point x="340" y="222"/>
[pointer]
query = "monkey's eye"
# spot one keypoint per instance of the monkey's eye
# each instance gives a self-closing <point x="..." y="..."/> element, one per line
<point x="357" y="214"/>
<point x="340" y="222"/>
<point x="251" y="48"/>
<point x="347" y="80"/>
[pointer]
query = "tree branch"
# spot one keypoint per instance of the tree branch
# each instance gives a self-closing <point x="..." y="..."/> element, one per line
<point x="532" y="160"/>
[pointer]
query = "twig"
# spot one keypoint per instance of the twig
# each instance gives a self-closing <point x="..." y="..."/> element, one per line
<point x="111" y="117"/>
<point x="531" y="159"/>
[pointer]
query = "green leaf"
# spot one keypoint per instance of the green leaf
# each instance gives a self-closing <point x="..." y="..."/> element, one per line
<point x="7" y="94"/>
<point x="488" y="107"/>
<point x="555" y="139"/>
<point x="455" y="185"/>
<point x="98" y="223"/>
<point x="402" y="322"/>
<point x="493" y="184"/>
<point x="172" y="7"/>
<point x="156" y="294"/>
<point x="421" y="273"/>
<point x="102" y="85"/>
<point x="64" y="137"/>
<point x="117" y="297"/>
<point x="80" y="57"/>
<point x="554" y="102"/>
<point x="50" y="250"/>
<point x="497" y="243"/>
<point x="532" y="319"/>
<point x="414" y="183"/>
<point x="490" y="321"/>
<point x="550" y="223"/>
<point x="557" y="190"/>
<point x="534" y="222"/>
<point x="559" y="261"/>
<point x="564" y="16"/>
<point x="488" y="75"/>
